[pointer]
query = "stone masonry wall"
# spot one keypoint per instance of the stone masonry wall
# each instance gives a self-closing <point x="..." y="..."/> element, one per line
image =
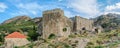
<point x="11" y="42"/>
<point x="54" y="22"/>
<point x="82" y="23"/>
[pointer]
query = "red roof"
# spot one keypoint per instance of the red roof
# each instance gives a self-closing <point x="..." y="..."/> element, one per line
<point x="16" y="35"/>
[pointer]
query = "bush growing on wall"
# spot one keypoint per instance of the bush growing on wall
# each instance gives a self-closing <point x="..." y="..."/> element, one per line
<point x="51" y="36"/>
<point x="64" y="29"/>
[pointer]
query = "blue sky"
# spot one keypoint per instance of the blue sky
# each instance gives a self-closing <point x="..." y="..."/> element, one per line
<point x="34" y="8"/>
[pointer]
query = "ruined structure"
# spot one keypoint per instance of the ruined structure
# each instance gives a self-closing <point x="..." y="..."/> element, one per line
<point x="82" y="24"/>
<point x="98" y="29"/>
<point x="54" y="22"/>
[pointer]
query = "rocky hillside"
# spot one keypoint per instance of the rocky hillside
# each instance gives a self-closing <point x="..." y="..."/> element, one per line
<point x="22" y="24"/>
<point x="37" y="20"/>
<point x="108" y="21"/>
<point x="17" y="19"/>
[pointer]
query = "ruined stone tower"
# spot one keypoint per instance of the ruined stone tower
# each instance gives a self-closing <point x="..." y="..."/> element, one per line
<point x="54" y="22"/>
<point x="82" y="24"/>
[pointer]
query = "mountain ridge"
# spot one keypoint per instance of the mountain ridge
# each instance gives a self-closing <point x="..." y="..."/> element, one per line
<point x="107" y="21"/>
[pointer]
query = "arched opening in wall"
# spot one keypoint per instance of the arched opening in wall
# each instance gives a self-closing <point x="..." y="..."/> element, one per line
<point x="52" y="36"/>
<point x="64" y="29"/>
<point x="96" y="30"/>
<point x="83" y="28"/>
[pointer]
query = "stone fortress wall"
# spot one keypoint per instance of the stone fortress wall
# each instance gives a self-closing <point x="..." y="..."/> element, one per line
<point x="55" y="22"/>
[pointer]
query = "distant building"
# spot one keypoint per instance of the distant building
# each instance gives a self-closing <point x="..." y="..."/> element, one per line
<point x="15" y="39"/>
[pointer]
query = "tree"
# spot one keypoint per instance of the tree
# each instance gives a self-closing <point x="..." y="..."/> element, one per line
<point x="33" y="34"/>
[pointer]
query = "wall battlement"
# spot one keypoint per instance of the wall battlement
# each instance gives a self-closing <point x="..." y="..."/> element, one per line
<point x="54" y="11"/>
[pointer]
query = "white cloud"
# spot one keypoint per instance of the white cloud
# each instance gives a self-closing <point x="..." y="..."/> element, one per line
<point x="3" y="7"/>
<point x="88" y="7"/>
<point x="19" y="13"/>
<point x="68" y="13"/>
<point x="30" y="6"/>
<point x="33" y="8"/>
<point x="111" y="12"/>
<point x="113" y="7"/>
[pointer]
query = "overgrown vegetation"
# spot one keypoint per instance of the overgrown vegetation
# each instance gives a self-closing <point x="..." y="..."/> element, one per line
<point x="105" y="40"/>
<point x="22" y="26"/>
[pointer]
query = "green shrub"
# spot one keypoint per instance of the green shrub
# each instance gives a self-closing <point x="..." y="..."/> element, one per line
<point x="99" y="47"/>
<point x="67" y="46"/>
<point x="99" y="41"/>
<point x="52" y="36"/>
<point x="90" y="43"/>
<point x="1" y="44"/>
<point x="28" y="38"/>
<point x="33" y="35"/>
<point x="89" y="47"/>
<point x="16" y="47"/>
<point x="64" y="29"/>
<point x="2" y="37"/>
<point x="72" y="36"/>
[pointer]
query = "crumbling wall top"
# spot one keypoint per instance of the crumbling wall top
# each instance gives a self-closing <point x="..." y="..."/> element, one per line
<point x="53" y="11"/>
